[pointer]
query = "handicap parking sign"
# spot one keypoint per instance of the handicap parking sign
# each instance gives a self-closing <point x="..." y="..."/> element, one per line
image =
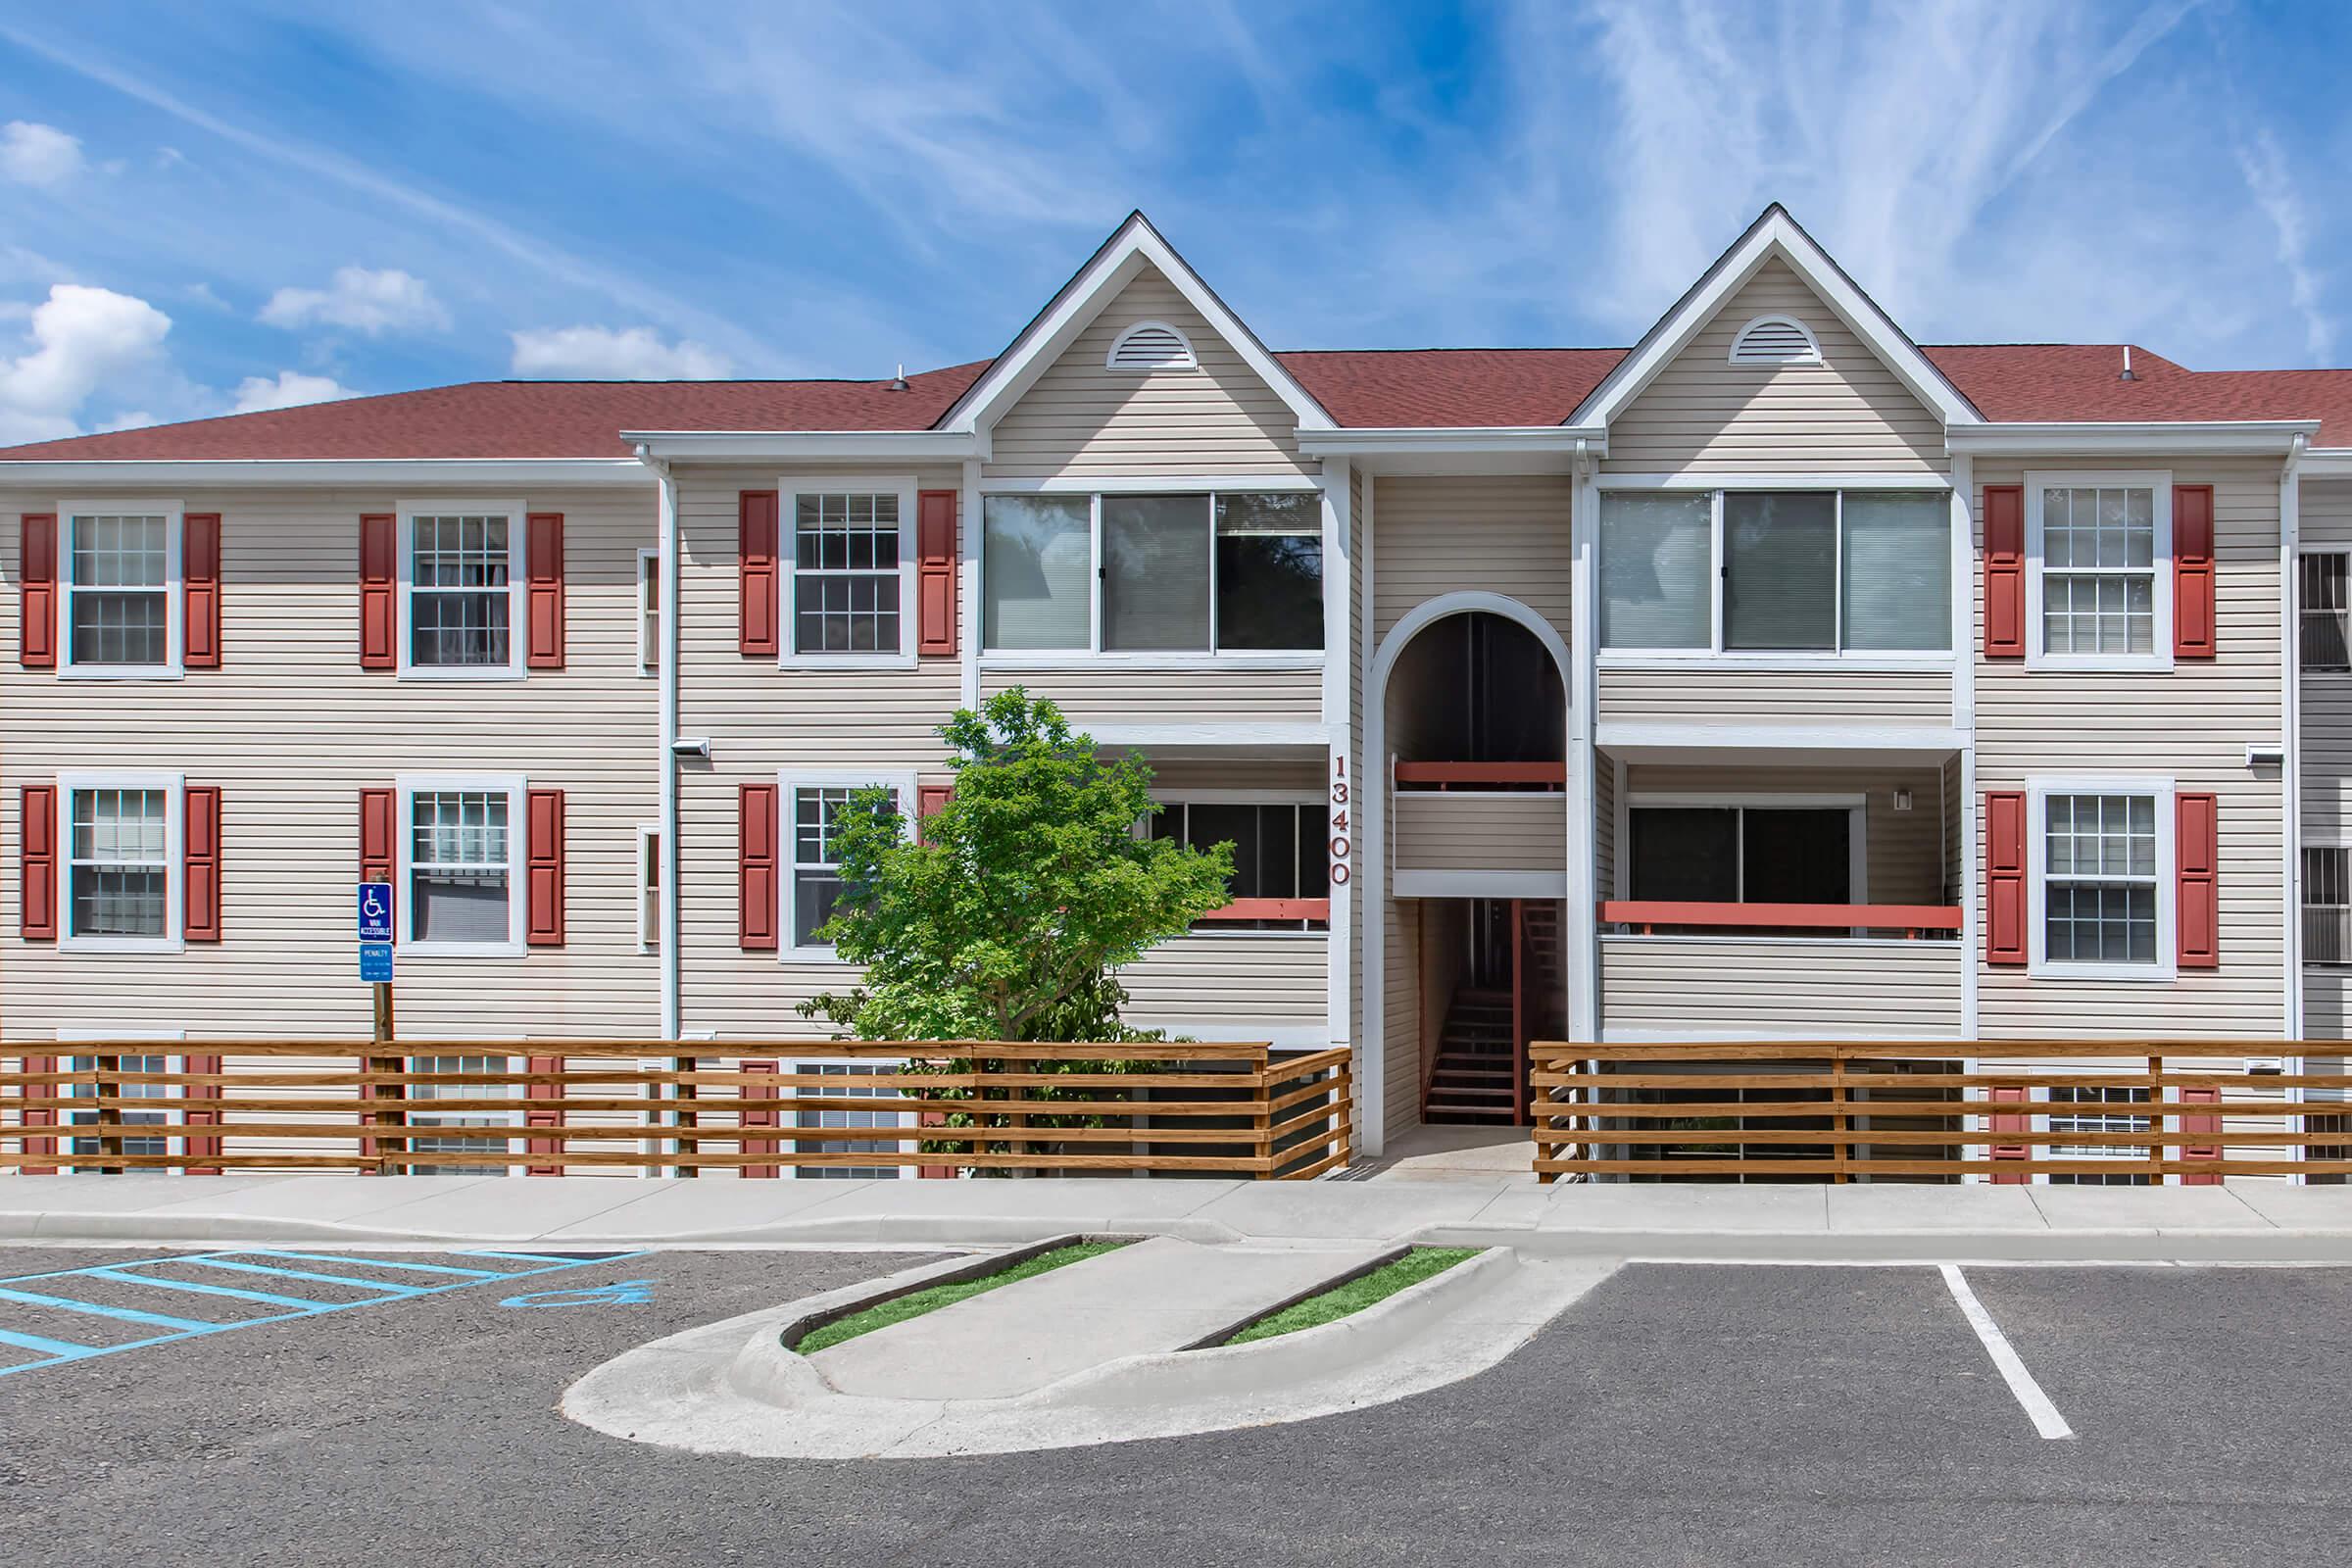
<point x="376" y="912"/>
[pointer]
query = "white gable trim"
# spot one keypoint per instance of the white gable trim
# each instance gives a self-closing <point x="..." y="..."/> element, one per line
<point x="1774" y="235"/>
<point x="1135" y="246"/>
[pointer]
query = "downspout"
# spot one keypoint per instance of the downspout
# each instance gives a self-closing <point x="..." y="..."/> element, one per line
<point x="666" y="559"/>
<point x="2290" y="768"/>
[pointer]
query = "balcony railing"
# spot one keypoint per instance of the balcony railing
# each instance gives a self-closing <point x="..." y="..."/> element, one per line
<point x="1684" y="918"/>
<point x="1543" y="776"/>
<point x="1260" y="910"/>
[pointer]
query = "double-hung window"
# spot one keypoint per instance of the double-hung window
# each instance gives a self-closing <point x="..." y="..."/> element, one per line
<point x="846" y="1080"/>
<point x="2325" y="611"/>
<point x="2100" y="1108"/>
<point x="813" y="804"/>
<point x="649" y="611"/>
<point x="853" y="563"/>
<point x="131" y="1144"/>
<point x="478" y="1067"/>
<point x="2098" y="583"/>
<point x="461" y="864"/>
<point x="1201" y="573"/>
<point x="2102" y="904"/>
<point x="1765" y="573"/>
<point x="123" y="862"/>
<point x="461" y="578"/>
<point x="1279" y="853"/>
<point x="121" y="579"/>
<point x="2328" y="903"/>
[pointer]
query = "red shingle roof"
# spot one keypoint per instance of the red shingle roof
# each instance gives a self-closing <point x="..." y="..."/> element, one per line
<point x="1444" y="387"/>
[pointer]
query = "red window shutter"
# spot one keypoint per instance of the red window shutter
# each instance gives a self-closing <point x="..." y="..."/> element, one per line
<point x="201" y="1116"/>
<point x="756" y="514"/>
<point x="537" y="1065"/>
<point x="2005" y="876"/>
<point x="930" y="799"/>
<point x="543" y="869"/>
<point x="757" y="884"/>
<point x="379" y="589"/>
<point x="2194" y="632"/>
<point x="200" y="590"/>
<point x="2197" y="863"/>
<point x="42" y="1117"/>
<point x="2202" y="1096"/>
<point x="37" y="906"/>
<point x="544" y="592"/>
<point x="200" y="857"/>
<point x="376" y="859"/>
<point x="935" y="571"/>
<point x="2012" y="1123"/>
<point x="2004" y="571"/>
<point x="36" y="579"/>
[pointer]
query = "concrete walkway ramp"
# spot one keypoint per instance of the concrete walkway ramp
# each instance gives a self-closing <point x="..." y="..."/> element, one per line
<point x="1156" y="1295"/>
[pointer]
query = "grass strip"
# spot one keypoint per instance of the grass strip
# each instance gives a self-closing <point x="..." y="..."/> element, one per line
<point x="1421" y="1263"/>
<point x="883" y="1314"/>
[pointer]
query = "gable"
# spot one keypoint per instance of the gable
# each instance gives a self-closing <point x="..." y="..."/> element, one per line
<point x="1850" y="413"/>
<point x="1081" y="419"/>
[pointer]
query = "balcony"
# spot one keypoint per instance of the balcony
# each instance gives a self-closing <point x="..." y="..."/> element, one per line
<point x="1734" y="971"/>
<point x="1480" y="830"/>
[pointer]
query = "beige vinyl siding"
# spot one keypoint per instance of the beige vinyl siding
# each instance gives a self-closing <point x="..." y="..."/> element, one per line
<point x="1498" y="535"/>
<point x="1244" y="982"/>
<point x="1278" y="775"/>
<point x="1479" y="831"/>
<point x="291" y="729"/>
<point x="1402" y="1045"/>
<point x="1794" y="989"/>
<point x="1722" y="693"/>
<point x="1849" y="413"/>
<point x="2192" y="724"/>
<point x="2326" y="1003"/>
<point x="1081" y="419"/>
<point x="1903" y="851"/>
<point x="1128" y="696"/>
<point x="761" y="718"/>
<point x="2327" y="706"/>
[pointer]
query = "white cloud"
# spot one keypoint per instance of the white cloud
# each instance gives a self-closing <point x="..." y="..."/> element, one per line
<point x="607" y="354"/>
<point x="290" y="390"/>
<point x="33" y="154"/>
<point x="80" y="338"/>
<point x="365" y="300"/>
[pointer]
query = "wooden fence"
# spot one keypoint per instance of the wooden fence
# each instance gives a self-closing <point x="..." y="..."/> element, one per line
<point x="548" y="1107"/>
<point x="1923" y="1110"/>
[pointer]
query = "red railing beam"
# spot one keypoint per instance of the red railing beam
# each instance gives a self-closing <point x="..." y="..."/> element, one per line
<point x="1442" y="774"/>
<point x="1272" y="910"/>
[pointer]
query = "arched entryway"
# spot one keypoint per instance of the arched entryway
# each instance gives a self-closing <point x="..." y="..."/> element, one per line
<point x="1465" y="958"/>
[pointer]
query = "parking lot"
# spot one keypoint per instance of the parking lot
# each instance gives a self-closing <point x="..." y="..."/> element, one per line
<point x="1678" y="1414"/>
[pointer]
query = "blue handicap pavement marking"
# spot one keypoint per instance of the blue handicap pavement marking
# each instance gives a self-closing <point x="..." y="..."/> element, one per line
<point x="620" y="1292"/>
<point x="63" y="1292"/>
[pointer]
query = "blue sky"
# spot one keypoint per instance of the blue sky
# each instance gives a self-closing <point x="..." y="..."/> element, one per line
<point x="237" y="206"/>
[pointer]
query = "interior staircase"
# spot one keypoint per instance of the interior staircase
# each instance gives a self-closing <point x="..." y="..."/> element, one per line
<point x="1473" y="1080"/>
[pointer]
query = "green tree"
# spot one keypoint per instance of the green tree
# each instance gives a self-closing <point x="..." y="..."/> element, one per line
<point x="1009" y="918"/>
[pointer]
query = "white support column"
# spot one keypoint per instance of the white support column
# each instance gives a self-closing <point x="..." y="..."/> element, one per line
<point x="2291" y="734"/>
<point x="1340" y="766"/>
<point x="1964" y="719"/>
<point x="1580" y="926"/>
<point x="667" y="550"/>
<point x="1372" y="859"/>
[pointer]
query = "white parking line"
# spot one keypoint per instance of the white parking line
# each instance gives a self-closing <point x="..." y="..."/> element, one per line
<point x="2046" y="1419"/>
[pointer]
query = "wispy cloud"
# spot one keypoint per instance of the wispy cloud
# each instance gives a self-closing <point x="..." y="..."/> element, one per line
<point x="361" y="298"/>
<point x="288" y="389"/>
<point x="33" y="154"/>
<point x="605" y="354"/>
<point x="2281" y="202"/>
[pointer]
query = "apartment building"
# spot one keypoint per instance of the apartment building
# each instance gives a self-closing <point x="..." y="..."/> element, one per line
<point x="1776" y="677"/>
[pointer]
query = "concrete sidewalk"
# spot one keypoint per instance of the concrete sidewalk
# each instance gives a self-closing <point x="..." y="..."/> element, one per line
<point x="2242" y="1222"/>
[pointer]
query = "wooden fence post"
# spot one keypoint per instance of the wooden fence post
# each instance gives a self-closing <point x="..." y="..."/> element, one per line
<point x="684" y="1096"/>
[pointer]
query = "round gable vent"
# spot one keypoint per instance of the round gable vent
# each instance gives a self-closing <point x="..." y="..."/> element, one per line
<point x="1152" y="346"/>
<point x="1774" y="340"/>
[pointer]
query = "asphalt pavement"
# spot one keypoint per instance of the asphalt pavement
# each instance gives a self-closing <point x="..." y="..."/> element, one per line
<point x="1678" y="1414"/>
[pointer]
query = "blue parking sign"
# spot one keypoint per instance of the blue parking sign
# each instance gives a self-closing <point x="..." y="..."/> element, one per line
<point x="376" y="912"/>
<point x="375" y="961"/>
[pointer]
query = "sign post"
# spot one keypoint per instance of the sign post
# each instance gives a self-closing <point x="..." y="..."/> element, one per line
<point x="375" y="949"/>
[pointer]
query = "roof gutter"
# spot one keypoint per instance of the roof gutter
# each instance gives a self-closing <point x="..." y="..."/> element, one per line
<point x="2326" y="463"/>
<point x="326" y="470"/>
<point x="940" y="446"/>
<point x="2159" y="437"/>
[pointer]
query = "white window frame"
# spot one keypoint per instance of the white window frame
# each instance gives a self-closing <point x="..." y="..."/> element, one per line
<point x="174" y="515"/>
<point x="783" y="1133"/>
<point x="514" y="786"/>
<point x="789" y="782"/>
<point x="2344" y="553"/>
<point x="787" y="551"/>
<point x="2159" y="482"/>
<point x="1855" y="805"/>
<point x="1715" y="488"/>
<point x="649" y="631"/>
<point x="1094" y="655"/>
<point x="174" y="791"/>
<point x="649" y="866"/>
<point x="2039" y="966"/>
<point x="519" y="528"/>
<point x="174" y="1061"/>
